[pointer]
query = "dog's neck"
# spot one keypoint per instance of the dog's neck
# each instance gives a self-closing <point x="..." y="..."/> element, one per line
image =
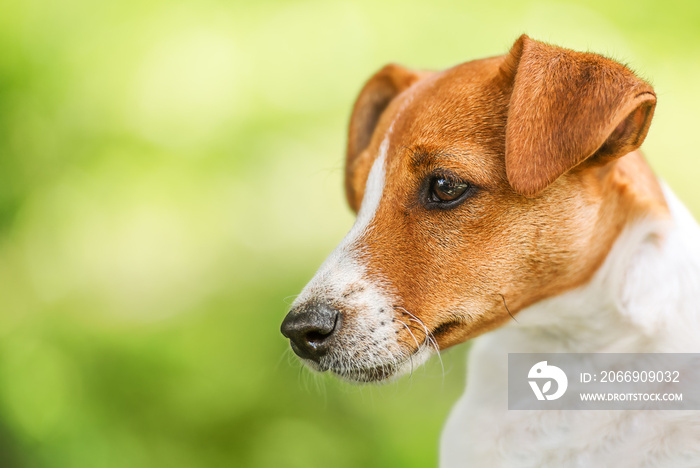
<point x="641" y="299"/>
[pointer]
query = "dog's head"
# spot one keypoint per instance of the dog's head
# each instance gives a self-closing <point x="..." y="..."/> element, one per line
<point x="479" y="190"/>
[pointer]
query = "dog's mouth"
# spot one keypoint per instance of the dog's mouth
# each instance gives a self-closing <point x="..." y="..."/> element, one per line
<point x="368" y="375"/>
<point x="358" y="372"/>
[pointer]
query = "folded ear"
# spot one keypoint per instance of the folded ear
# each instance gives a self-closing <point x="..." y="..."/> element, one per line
<point x="373" y="100"/>
<point x="567" y="107"/>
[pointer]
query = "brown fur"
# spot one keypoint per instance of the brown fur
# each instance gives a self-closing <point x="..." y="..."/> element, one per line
<point x="540" y="132"/>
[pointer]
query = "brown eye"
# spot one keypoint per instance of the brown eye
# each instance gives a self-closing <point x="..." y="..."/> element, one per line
<point x="446" y="190"/>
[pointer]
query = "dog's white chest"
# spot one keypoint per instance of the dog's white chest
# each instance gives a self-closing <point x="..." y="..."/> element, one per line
<point x="482" y="432"/>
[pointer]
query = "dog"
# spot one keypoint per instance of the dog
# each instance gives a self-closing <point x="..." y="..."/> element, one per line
<point x="507" y="195"/>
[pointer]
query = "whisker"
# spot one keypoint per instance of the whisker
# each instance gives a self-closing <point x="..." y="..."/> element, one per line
<point x="287" y="353"/>
<point x="430" y="338"/>
<point x="421" y="329"/>
<point x="286" y="299"/>
<point x="410" y="354"/>
<point x="439" y="355"/>
<point x="506" y="306"/>
<point x="410" y="332"/>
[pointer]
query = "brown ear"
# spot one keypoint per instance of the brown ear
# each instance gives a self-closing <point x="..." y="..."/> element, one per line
<point x="566" y="107"/>
<point x="374" y="98"/>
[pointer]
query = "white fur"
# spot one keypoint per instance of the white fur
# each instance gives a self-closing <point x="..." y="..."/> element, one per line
<point x="644" y="298"/>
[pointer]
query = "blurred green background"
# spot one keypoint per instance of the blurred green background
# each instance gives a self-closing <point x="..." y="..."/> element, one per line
<point x="170" y="176"/>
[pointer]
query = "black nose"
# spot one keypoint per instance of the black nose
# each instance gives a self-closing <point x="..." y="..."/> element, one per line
<point x="309" y="328"/>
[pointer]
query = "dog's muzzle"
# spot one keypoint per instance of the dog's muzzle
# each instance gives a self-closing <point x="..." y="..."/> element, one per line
<point x="310" y="327"/>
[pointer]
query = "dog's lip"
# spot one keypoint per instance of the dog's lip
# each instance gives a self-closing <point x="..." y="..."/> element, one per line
<point x="376" y="374"/>
<point x="359" y="374"/>
<point x="368" y="374"/>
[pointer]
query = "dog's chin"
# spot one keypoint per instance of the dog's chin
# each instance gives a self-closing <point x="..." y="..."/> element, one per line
<point x="359" y="375"/>
<point x="379" y="374"/>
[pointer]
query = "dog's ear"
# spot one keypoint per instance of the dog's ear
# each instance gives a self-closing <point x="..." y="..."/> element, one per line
<point x="567" y="107"/>
<point x="373" y="100"/>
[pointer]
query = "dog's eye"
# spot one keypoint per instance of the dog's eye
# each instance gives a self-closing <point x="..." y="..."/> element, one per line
<point x="446" y="190"/>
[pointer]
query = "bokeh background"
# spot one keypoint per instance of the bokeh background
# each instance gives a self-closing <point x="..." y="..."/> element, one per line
<point x="170" y="176"/>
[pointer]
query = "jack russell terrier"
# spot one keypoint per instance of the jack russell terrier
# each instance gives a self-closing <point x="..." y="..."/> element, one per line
<point x="510" y="186"/>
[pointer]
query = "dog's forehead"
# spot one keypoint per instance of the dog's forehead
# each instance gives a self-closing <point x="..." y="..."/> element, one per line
<point x="459" y="111"/>
<point x="461" y="103"/>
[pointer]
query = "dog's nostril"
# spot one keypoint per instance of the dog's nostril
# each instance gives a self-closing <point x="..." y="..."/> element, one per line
<point x="316" y="337"/>
<point x="309" y="329"/>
